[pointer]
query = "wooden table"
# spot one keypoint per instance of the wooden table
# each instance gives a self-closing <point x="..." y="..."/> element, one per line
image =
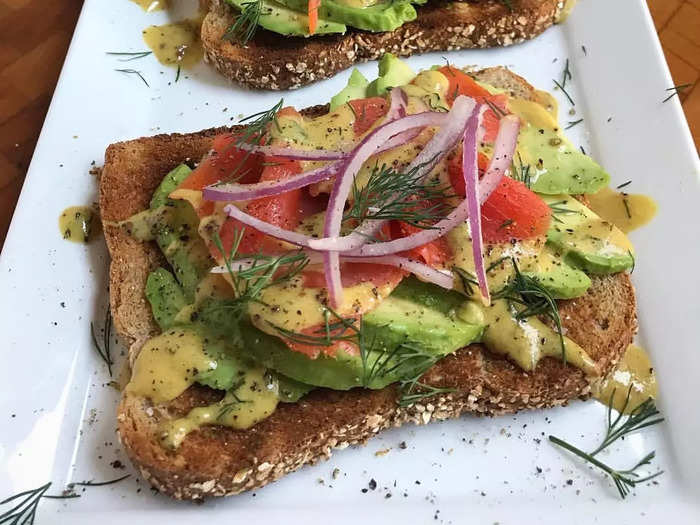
<point x="34" y="37"/>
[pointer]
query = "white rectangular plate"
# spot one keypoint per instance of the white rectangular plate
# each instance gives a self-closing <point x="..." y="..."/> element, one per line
<point x="57" y="413"/>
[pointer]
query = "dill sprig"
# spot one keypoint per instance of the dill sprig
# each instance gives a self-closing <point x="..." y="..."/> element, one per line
<point x="131" y="56"/>
<point x="104" y="350"/>
<point x="626" y="204"/>
<point x="468" y="280"/>
<point x="677" y="90"/>
<point x="246" y="23"/>
<point x="228" y="406"/>
<point x="24" y="511"/>
<point x="558" y="208"/>
<point x="522" y="172"/>
<point x="134" y="72"/>
<point x="177" y="74"/>
<point x="530" y="299"/>
<point x="620" y="186"/>
<point x="397" y="195"/>
<point x="566" y="74"/>
<point x="642" y="416"/>
<point x="265" y="271"/>
<point x="573" y="123"/>
<point x="571" y="100"/>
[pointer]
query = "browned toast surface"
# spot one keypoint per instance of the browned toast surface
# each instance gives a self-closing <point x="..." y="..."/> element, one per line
<point x="273" y="61"/>
<point x="218" y="461"/>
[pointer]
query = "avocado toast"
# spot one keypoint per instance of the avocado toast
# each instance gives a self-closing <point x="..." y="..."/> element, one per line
<point x="251" y="393"/>
<point x="274" y="49"/>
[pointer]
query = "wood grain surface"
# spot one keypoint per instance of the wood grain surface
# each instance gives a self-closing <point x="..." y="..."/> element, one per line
<point x="34" y="38"/>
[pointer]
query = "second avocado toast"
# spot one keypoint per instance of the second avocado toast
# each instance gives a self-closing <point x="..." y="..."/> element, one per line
<point x="250" y="371"/>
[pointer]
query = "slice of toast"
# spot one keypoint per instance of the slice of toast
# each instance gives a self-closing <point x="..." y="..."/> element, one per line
<point x="217" y="461"/>
<point x="273" y="61"/>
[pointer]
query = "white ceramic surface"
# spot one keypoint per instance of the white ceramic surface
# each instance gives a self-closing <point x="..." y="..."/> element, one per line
<point x="57" y="412"/>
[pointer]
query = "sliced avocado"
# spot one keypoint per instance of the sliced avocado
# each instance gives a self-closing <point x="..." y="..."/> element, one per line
<point x="433" y="325"/>
<point x="392" y="72"/>
<point x="554" y="165"/>
<point x="383" y="16"/>
<point x="281" y="19"/>
<point x="171" y="181"/>
<point x="228" y="366"/>
<point x="356" y="88"/>
<point x="558" y="278"/>
<point x="291" y="391"/>
<point x="177" y="234"/>
<point x="165" y="296"/>
<point x="585" y="240"/>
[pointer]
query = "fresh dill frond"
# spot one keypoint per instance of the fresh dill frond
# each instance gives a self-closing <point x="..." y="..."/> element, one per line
<point x="92" y="483"/>
<point x="467" y="279"/>
<point x="521" y="173"/>
<point x="559" y="208"/>
<point x="228" y="406"/>
<point x="642" y="416"/>
<point x="626" y="204"/>
<point x="134" y="72"/>
<point x="529" y="298"/>
<point x="634" y="261"/>
<point x="257" y="124"/>
<point x="573" y="123"/>
<point x="571" y="100"/>
<point x="401" y="196"/>
<point x="498" y="111"/>
<point x="104" y="350"/>
<point x="624" y="184"/>
<point x="415" y="392"/>
<point x="131" y="56"/>
<point x="566" y="74"/>
<point x="26" y="502"/>
<point x="177" y="75"/>
<point x="265" y="270"/>
<point x="677" y="90"/>
<point x="246" y="23"/>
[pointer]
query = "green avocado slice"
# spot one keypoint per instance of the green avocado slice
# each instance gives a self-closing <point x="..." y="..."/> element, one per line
<point x="586" y="241"/>
<point x="281" y="19"/>
<point x="434" y="323"/>
<point x="554" y="165"/>
<point x="356" y="88"/>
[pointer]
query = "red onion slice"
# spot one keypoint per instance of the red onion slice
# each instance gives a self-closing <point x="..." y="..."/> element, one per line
<point x="446" y="138"/>
<point x="442" y="278"/>
<point x="343" y="182"/>
<point x="471" y="181"/>
<point x="242" y="192"/>
<point x="504" y="148"/>
<point x="503" y="151"/>
<point x="397" y="106"/>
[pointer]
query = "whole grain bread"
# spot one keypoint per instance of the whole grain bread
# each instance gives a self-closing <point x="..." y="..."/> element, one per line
<point x="273" y="61"/>
<point x="217" y="461"/>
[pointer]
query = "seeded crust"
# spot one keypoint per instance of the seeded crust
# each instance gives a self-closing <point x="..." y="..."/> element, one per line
<point x="272" y="61"/>
<point x="218" y="461"/>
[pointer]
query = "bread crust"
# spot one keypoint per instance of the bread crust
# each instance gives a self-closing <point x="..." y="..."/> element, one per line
<point x="275" y="62"/>
<point x="217" y="461"/>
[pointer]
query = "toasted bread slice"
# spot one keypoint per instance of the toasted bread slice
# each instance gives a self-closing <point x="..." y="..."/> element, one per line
<point x="273" y="61"/>
<point x="217" y="461"/>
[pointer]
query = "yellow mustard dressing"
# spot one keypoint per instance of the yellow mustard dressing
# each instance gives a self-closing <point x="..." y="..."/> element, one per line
<point x="176" y="44"/>
<point x="430" y="87"/>
<point x="168" y="364"/>
<point x="526" y="253"/>
<point x="586" y="231"/>
<point x="528" y="341"/>
<point x="634" y="370"/>
<point x="253" y="400"/>
<point x="152" y="5"/>
<point x="212" y="286"/>
<point x="79" y="224"/>
<point x="627" y="211"/>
